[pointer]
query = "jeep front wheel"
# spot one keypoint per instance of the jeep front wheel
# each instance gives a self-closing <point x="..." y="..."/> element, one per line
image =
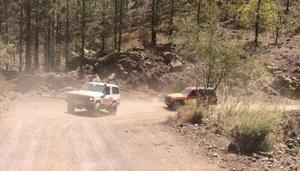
<point x="97" y="108"/>
<point x="176" y="105"/>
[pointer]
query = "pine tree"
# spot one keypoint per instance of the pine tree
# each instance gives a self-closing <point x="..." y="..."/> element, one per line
<point x="28" y="34"/>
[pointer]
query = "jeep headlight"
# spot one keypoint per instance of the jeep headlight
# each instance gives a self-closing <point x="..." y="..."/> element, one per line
<point x="91" y="98"/>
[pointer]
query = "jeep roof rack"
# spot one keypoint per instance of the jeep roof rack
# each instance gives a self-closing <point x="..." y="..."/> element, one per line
<point x="102" y="83"/>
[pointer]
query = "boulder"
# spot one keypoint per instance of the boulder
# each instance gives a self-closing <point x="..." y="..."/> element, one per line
<point x="74" y="54"/>
<point x="169" y="57"/>
<point x="74" y="63"/>
<point x="177" y="66"/>
<point x="90" y="54"/>
<point x="270" y="91"/>
<point x="297" y="70"/>
<point x="120" y="67"/>
<point x="112" y="77"/>
<point x="138" y="48"/>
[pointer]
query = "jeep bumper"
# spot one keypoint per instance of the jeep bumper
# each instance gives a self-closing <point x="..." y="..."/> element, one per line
<point x="81" y="104"/>
<point x="168" y="102"/>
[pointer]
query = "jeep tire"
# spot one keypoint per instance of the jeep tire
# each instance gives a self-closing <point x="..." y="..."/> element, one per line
<point x="97" y="109"/>
<point x="113" y="109"/>
<point x="176" y="105"/>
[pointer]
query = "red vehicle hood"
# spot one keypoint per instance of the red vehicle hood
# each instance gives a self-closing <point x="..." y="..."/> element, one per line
<point x="177" y="96"/>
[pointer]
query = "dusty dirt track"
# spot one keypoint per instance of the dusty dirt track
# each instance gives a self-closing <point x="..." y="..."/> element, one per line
<point x="38" y="134"/>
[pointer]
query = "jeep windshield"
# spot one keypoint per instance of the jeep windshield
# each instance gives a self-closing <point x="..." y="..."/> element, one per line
<point x="186" y="91"/>
<point x="198" y="92"/>
<point x="93" y="87"/>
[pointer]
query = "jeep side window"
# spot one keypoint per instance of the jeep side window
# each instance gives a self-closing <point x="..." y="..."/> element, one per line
<point x="107" y="91"/>
<point x="115" y="90"/>
<point x="207" y="93"/>
<point x="193" y="93"/>
<point x="202" y="92"/>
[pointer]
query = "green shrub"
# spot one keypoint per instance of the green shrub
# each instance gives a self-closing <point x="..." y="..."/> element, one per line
<point x="293" y="23"/>
<point x="268" y="14"/>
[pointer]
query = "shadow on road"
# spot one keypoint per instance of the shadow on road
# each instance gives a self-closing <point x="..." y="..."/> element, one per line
<point x="169" y="109"/>
<point x="87" y="114"/>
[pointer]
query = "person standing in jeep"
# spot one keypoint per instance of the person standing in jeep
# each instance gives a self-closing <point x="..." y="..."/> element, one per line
<point x="94" y="96"/>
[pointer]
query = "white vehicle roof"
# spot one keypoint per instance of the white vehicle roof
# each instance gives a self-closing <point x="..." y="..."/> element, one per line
<point x="101" y="83"/>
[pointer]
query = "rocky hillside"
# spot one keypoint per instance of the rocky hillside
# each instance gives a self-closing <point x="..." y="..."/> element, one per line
<point x="284" y="63"/>
<point x="159" y="70"/>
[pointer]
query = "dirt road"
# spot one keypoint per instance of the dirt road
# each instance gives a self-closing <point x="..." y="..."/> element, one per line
<point x="38" y="135"/>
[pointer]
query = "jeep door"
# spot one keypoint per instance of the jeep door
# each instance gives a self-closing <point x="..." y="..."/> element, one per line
<point x="116" y="94"/>
<point x="192" y="98"/>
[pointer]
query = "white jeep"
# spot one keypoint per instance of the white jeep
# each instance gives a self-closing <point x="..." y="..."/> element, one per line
<point x="94" y="96"/>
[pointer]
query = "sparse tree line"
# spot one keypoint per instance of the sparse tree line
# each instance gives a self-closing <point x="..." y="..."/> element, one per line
<point x="199" y="34"/>
<point x="44" y="32"/>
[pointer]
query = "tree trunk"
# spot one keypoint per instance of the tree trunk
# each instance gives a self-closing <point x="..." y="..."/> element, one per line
<point x="28" y="35"/>
<point x="52" y="47"/>
<point x="257" y="22"/>
<point x="1" y="18"/>
<point x="82" y="37"/>
<point x="104" y="23"/>
<point x="115" y="24"/>
<point x="48" y="60"/>
<point x="58" y="32"/>
<point x="49" y="47"/>
<point x="120" y="25"/>
<point x="277" y="28"/>
<point x="199" y="12"/>
<point x="153" y="23"/>
<point x="21" y="39"/>
<point x="287" y="6"/>
<point x="67" y="36"/>
<point x="36" y="47"/>
<point x="5" y="22"/>
<point x="172" y="13"/>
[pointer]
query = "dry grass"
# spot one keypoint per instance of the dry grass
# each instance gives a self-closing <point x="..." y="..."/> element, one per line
<point x="251" y="126"/>
<point x="192" y="114"/>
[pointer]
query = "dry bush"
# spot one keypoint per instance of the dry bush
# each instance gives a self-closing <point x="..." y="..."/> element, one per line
<point x="5" y="88"/>
<point x="4" y="84"/>
<point x="291" y="131"/>
<point x="250" y="126"/>
<point x="192" y="114"/>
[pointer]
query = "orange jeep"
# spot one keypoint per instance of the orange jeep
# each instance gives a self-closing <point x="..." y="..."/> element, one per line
<point x="191" y="95"/>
